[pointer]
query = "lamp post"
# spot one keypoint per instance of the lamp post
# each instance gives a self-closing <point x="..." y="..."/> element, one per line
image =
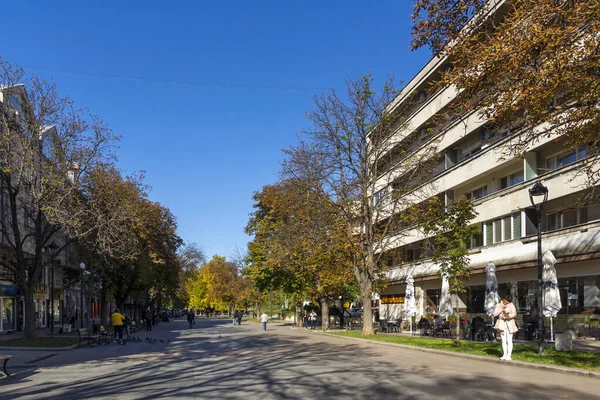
<point x="52" y="248"/>
<point x="538" y="195"/>
<point x="81" y="268"/>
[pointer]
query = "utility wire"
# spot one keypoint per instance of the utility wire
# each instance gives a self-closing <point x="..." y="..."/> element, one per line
<point x="173" y="82"/>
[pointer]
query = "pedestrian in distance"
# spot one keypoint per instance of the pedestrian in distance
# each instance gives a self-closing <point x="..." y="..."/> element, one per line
<point x="313" y="319"/>
<point x="234" y="316"/>
<point x="264" y="318"/>
<point x="117" y="320"/>
<point x="239" y="317"/>
<point x="148" y="318"/>
<point x="191" y="319"/>
<point x="506" y="313"/>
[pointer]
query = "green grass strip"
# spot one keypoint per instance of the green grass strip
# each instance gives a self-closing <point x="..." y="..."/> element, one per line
<point x="521" y="352"/>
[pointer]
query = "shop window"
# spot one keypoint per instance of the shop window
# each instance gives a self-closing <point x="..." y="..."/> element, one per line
<point x="432" y="299"/>
<point x="475" y="299"/>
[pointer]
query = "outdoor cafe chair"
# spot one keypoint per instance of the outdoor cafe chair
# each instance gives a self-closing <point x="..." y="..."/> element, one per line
<point x="383" y="325"/>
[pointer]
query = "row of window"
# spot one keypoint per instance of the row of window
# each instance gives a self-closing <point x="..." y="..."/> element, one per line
<point x="508" y="227"/>
<point x="551" y="163"/>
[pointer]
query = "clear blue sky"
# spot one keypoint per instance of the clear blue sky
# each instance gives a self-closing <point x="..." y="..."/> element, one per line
<point x="206" y="93"/>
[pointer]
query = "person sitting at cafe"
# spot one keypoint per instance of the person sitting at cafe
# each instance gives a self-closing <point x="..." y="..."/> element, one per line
<point x="478" y="328"/>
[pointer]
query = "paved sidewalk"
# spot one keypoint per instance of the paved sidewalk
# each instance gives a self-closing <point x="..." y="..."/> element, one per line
<point x="27" y="359"/>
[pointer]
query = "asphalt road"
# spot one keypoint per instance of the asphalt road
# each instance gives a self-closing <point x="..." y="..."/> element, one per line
<point x="219" y="361"/>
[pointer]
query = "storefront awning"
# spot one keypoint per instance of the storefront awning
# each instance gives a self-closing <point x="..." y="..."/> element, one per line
<point x="9" y="291"/>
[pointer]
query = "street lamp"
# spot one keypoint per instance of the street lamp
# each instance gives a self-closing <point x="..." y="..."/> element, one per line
<point x="538" y="195"/>
<point x="81" y="268"/>
<point x="52" y="248"/>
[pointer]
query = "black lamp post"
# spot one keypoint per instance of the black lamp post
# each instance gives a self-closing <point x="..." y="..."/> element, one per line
<point x="52" y="248"/>
<point x="538" y="195"/>
<point x="81" y="268"/>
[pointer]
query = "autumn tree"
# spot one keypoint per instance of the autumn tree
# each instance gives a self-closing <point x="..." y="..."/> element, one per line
<point x="217" y="284"/>
<point x="298" y="245"/>
<point x="533" y="66"/>
<point x="48" y="147"/>
<point x="450" y="230"/>
<point x="191" y="257"/>
<point x="354" y="152"/>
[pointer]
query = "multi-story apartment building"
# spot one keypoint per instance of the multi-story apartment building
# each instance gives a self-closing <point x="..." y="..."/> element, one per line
<point x="50" y="286"/>
<point x="472" y="165"/>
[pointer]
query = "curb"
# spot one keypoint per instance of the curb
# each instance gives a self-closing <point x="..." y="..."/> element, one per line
<point x="523" y="364"/>
<point x="66" y="348"/>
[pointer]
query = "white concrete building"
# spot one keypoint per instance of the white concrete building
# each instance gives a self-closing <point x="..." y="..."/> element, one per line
<point x="472" y="166"/>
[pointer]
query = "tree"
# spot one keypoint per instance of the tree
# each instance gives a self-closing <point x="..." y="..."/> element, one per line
<point x="217" y="284"/>
<point x="353" y="151"/>
<point x="191" y="257"/>
<point x="298" y="246"/>
<point x="450" y="231"/>
<point x="48" y="147"/>
<point x="534" y="66"/>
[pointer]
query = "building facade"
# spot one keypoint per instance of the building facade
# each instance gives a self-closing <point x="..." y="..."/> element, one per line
<point x="473" y="164"/>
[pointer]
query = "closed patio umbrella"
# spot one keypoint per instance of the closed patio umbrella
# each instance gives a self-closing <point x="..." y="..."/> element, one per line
<point x="491" y="289"/>
<point x="445" y="308"/>
<point x="410" y="305"/>
<point x="552" y="303"/>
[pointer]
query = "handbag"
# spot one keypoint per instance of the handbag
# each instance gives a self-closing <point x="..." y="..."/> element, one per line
<point x="499" y="325"/>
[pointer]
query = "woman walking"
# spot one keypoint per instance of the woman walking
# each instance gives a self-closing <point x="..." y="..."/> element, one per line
<point x="506" y="313"/>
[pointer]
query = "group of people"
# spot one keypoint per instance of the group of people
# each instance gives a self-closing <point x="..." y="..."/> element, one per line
<point x="310" y="320"/>
<point x="237" y="317"/>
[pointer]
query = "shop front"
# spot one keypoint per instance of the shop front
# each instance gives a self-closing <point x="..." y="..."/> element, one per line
<point x="578" y="284"/>
<point x="8" y="305"/>
<point x="40" y="300"/>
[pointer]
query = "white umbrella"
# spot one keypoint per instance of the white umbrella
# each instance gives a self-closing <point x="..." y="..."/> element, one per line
<point x="445" y="308"/>
<point x="551" y="302"/>
<point x="491" y="289"/>
<point x="410" y="304"/>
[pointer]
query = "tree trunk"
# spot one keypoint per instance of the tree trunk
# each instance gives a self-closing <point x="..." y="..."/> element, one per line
<point x="457" y="320"/>
<point x="298" y="312"/>
<point x="367" y="314"/>
<point x="324" y="314"/>
<point x="29" y="330"/>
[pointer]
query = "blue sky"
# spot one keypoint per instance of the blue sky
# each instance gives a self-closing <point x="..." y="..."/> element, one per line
<point x="206" y="94"/>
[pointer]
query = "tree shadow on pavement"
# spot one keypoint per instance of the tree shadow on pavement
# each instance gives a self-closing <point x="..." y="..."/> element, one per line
<point x="227" y="362"/>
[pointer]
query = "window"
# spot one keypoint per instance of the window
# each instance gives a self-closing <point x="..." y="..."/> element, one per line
<point x="477" y="193"/>
<point x="507" y="228"/>
<point x="497" y="231"/>
<point x="570" y="217"/>
<point x="29" y="221"/>
<point x="379" y="196"/>
<point x="503" y="229"/>
<point x="511" y="180"/>
<point x="565" y="158"/>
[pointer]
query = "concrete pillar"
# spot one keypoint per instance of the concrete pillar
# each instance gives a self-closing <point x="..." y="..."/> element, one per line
<point x="530" y="165"/>
<point x="591" y="291"/>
